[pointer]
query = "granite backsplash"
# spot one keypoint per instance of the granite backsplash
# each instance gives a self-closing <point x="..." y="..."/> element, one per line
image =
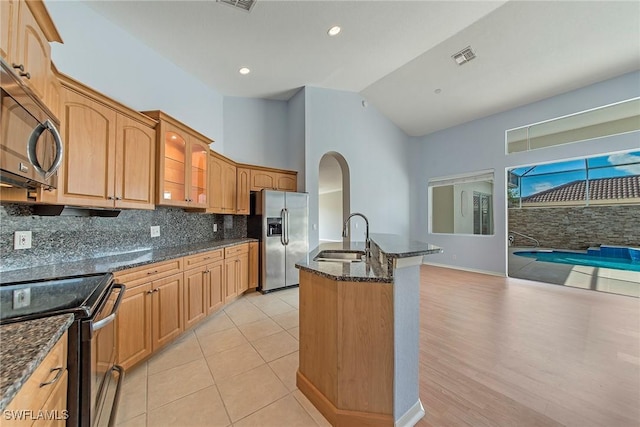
<point x="58" y="239"/>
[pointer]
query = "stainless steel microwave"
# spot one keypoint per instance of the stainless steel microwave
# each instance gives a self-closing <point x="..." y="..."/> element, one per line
<point x="31" y="149"/>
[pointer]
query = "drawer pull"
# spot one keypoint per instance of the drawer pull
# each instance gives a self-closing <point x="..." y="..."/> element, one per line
<point x="152" y="272"/>
<point x="56" y="378"/>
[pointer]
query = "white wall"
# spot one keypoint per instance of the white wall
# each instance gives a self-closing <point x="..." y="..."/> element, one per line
<point x="330" y="216"/>
<point x="479" y="145"/>
<point x="256" y="131"/>
<point x="374" y="148"/>
<point x="110" y="60"/>
<point x="296" y="136"/>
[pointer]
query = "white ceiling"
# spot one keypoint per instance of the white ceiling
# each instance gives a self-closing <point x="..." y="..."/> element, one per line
<point x="395" y="53"/>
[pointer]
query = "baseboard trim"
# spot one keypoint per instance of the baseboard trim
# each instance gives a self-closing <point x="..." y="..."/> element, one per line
<point x="340" y="417"/>
<point x="412" y="416"/>
<point x="471" y="270"/>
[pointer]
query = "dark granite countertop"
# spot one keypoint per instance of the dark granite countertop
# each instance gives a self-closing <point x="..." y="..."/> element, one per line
<point x="24" y="347"/>
<point x="391" y="246"/>
<point x="114" y="262"/>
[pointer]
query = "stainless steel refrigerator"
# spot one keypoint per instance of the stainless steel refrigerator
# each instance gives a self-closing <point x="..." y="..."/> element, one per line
<point x="280" y="220"/>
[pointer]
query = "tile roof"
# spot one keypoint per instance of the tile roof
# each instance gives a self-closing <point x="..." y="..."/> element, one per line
<point x="624" y="187"/>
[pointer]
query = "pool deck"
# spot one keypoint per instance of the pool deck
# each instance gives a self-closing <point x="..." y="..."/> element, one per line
<point x="578" y="276"/>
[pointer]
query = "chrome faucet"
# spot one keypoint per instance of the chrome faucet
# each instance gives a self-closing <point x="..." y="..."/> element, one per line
<point x="367" y="248"/>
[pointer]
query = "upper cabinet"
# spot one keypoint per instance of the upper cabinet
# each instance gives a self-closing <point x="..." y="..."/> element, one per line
<point x="222" y="184"/>
<point x="26" y="30"/>
<point x="272" y="179"/>
<point x="243" y="178"/>
<point x="109" y="152"/>
<point x="183" y="159"/>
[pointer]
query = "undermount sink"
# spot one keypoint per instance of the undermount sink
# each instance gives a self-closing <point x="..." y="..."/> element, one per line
<point x="339" y="256"/>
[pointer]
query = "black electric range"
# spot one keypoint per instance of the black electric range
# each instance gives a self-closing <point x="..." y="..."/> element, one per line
<point x="94" y="378"/>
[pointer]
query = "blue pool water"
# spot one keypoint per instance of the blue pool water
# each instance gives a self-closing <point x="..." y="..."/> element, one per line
<point x="607" y="257"/>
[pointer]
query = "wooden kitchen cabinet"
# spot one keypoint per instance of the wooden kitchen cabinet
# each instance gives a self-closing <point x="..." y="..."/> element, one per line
<point x="182" y="164"/>
<point x="151" y="312"/>
<point x="216" y="295"/>
<point x="236" y="271"/>
<point x="243" y="191"/>
<point x="109" y="159"/>
<point x="45" y="390"/>
<point x="25" y="32"/>
<point x="222" y="184"/>
<point x="208" y="268"/>
<point x="254" y="264"/>
<point x="195" y="295"/>
<point x="272" y="179"/>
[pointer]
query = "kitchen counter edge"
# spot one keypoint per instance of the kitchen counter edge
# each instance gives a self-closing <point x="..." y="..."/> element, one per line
<point x="24" y="347"/>
<point x="116" y="262"/>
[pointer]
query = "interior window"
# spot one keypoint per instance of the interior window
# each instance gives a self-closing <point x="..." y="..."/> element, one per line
<point x="461" y="204"/>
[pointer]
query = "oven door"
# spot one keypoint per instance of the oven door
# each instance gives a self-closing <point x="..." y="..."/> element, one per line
<point x="104" y="385"/>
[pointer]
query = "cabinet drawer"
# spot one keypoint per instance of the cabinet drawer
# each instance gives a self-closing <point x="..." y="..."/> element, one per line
<point x="52" y="369"/>
<point x="140" y="275"/>
<point x="203" y="258"/>
<point x="236" y="250"/>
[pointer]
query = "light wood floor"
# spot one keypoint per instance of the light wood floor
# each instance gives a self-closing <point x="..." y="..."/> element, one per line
<point x="508" y="352"/>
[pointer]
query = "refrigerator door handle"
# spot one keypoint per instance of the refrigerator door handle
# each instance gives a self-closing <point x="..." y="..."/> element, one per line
<point x="283" y="220"/>
<point x="286" y="226"/>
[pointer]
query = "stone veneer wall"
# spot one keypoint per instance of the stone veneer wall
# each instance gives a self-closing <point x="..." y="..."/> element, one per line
<point x="67" y="238"/>
<point x="577" y="228"/>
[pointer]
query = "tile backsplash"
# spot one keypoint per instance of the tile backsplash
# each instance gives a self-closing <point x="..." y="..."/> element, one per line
<point x="69" y="238"/>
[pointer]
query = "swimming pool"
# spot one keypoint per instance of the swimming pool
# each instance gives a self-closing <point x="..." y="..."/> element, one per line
<point x="620" y="258"/>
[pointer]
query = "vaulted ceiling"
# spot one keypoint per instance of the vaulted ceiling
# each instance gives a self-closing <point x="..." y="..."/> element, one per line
<point x="397" y="54"/>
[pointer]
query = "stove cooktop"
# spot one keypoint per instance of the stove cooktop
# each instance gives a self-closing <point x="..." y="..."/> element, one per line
<point x="78" y="295"/>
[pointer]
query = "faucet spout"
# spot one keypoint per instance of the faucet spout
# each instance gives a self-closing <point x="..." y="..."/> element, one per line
<point x="367" y="249"/>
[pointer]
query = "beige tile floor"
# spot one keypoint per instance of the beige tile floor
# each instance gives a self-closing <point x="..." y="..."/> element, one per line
<point x="237" y="368"/>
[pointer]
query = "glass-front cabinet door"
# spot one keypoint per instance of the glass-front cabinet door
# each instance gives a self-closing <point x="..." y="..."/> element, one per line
<point x="175" y="168"/>
<point x="199" y="159"/>
<point x="182" y="163"/>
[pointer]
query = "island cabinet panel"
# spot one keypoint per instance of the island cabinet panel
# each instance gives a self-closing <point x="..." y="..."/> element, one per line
<point x="45" y="390"/>
<point x="318" y="333"/>
<point x="365" y="354"/>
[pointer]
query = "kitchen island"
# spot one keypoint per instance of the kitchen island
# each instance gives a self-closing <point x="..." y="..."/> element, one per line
<point x="359" y="332"/>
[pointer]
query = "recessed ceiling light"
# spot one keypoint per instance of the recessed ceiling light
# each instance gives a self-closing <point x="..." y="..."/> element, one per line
<point x="437" y="91"/>
<point x="334" y="31"/>
<point x="244" y="71"/>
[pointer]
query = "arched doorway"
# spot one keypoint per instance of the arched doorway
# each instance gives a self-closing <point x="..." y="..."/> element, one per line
<point x="333" y="196"/>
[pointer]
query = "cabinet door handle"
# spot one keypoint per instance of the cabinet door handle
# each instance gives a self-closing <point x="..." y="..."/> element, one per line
<point x="56" y="378"/>
<point x="18" y="66"/>
<point x="118" y="198"/>
<point x="111" y="198"/>
<point x="27" y="75"/>
<point x="150" y="292"/>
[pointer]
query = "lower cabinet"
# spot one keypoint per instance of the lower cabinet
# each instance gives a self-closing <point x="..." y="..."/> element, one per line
<point x="236" y="271"/>
<point x="150" y="316"/>
<point x="45" y="392"/>
<point x="254" y="264"/>
<point x="162" y="300"/>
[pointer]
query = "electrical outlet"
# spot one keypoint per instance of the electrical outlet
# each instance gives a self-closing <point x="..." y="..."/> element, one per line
<point x="215" y="227"/>
<point x="22" y="240"/>
<point x="21" y="298"/>
<point x="155" y="231"/>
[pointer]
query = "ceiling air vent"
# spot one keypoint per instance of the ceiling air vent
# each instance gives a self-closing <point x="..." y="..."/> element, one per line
<point x="465" y="55"/>
<point x="245" y="5"/>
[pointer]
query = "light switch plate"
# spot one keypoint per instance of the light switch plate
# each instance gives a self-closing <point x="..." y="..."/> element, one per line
<point x="22" y="240"/>
<point x="21" y="298"/>
<point x="155" y="231"/>
<point x="215" y="227"/>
